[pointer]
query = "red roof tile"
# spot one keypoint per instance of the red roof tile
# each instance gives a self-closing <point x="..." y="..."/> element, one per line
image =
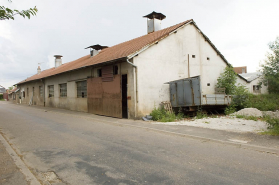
<point x="112" y="53"/>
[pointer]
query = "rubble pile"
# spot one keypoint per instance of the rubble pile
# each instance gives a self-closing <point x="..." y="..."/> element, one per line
<point x="249" y="112"/>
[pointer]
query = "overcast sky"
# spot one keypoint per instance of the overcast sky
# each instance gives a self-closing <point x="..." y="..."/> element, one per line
<point x="240" y="29"/>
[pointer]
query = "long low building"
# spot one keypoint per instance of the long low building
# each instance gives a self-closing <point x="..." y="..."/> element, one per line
<point x="129" y="79"/>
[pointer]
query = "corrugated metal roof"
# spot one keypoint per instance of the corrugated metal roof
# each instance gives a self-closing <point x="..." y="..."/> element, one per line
<point x="108" y="54"/>
<point x="251" y="76"/>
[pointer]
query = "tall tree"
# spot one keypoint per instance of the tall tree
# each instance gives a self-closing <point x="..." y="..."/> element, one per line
<point x="7" y="13"/>
<point x="270" y="68"/>
<point x="227" y="80"/>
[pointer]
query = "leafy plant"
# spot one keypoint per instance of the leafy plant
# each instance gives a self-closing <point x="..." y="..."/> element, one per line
<point x="273" y="125"/>
<point x="270" y="68"/>
<point x="200" y="114"/>
<point x="227" y="80"/>
<point x="230" y="109"/>
<point x="7" y="13"/>
<point x="160" y="114"/>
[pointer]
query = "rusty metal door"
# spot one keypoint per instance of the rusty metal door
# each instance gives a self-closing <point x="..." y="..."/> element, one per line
<point x="104" y="97"/>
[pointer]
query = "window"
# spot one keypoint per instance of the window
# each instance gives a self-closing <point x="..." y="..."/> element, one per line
<point x="51" y="91"/>
<point x="99" y="72"/>
<point x="27" y="91"/>
<point x="82" y="89"/>
<point x="208" y="58"/>
<point x="23" y="94"/>
<point x="63" y="90"/>
<point x="41" y="91"/>
<point x="193" y="56"/>
<point x="115" y="70"/>
<point x="256" y="89"/>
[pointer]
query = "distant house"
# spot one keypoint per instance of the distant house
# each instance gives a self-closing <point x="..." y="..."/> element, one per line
<point x="2" y="90"/>
<point x="14" y="95"/>
<point x="251" y="82"/>
<point x="129" y="79"/>
<point x="240" y="70"/>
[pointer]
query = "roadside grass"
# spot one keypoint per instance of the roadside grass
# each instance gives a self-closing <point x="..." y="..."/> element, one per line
<point x="273" y="123"/>
<point x="264" y="102"/>
<point x="160" y="114"/>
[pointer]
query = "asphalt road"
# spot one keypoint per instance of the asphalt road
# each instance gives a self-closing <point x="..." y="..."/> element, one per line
<point x="81" y="150"/>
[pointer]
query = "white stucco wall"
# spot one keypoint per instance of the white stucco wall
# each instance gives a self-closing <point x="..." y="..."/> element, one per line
<point x="168" y="61"/>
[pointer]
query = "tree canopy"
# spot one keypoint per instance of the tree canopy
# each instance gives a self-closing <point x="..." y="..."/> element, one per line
<point x="227" y="80"/>
<point x="270" y="68"/>
<point x="7" y="13"/>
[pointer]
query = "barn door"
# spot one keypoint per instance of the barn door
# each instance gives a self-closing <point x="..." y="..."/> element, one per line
<point x="104" y="94"/>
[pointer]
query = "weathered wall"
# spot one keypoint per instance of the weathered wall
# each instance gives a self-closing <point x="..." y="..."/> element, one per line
<point x="71" y="101"/>
<point x="37" y="99"/>
<point x="168" y="61"/>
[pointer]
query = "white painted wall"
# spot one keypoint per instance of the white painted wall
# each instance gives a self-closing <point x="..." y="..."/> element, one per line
<point x="168" y="61"/>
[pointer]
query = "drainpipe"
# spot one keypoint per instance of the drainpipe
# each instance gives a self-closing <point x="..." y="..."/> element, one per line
<point x="44" y="92"/>
<point x="136" y="75"/>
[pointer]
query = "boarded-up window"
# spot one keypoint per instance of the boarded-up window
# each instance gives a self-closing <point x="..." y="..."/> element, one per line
<point x="63" y="90"/>
<point x="51" y="91"/>
<point x="107" y="74"/>
<point x="41" y="91"/>
<point x="82" y="89"/>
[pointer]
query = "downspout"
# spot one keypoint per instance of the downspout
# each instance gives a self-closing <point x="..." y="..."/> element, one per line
<point x="136" y="76"/>
<point x="44" y="92"/>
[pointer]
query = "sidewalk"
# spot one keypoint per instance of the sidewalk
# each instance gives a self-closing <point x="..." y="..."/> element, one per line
<point x="263" y="143"/>
<point x="9" y="172"/>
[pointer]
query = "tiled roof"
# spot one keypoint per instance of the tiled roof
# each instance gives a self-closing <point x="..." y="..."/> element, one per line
<point x="13" y="90"/>
<point x="109" y="54"/>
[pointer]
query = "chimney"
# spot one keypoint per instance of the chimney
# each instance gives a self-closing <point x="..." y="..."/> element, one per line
<point x="38" y="70"/>
<point x="94" y="49"/>
<point x="154" y="20"/>
<point x="58" y="60"/>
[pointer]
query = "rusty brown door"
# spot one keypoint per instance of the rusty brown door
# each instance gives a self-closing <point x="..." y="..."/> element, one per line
<point x="104" y="97"/>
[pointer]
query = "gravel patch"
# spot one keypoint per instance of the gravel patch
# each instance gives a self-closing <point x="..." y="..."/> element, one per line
<point x="249" y="112"/>
<point x="228" y="123"/>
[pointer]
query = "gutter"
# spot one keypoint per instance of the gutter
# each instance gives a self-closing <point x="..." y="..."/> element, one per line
<point x="135" y="73"/>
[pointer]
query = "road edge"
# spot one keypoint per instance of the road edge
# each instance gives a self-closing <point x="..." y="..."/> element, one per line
<point x="30" y="178"/>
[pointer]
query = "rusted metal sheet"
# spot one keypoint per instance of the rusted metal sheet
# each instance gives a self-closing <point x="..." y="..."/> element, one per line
<point x="104" y="98"/>
<point x="107" y="73"/>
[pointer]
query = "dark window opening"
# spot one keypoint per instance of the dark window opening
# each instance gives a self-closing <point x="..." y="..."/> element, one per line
<point x="23" y="94"/>
<point x="99" y="72"/>
<point x="208" y="58"/>
<point x="208" y="84"/>
<point x="193" y="56"/>
<point x="115" y="70"/>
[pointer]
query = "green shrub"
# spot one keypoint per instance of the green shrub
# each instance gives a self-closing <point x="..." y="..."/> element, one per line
<point x="230" y="109"/>
<point x="273" y="125"/>
<point x="160" y="114"/>
<point x="1" y="96"/>
<point x="201" y="114"/>
<point x="264" y="102"/>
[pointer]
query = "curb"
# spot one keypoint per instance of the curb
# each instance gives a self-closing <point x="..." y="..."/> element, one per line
<point x="30" y="178"/>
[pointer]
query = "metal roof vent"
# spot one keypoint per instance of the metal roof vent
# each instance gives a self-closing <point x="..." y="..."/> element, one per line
<point x="154" y="20"/>
<point x="94" y="49"/>
<point x="58" y="60"/>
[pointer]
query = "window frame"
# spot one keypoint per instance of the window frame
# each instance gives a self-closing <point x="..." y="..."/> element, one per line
<point x="81" y="88"/>
<point x="49" y="88"/>
<point x="63" y="87"/>
<point x="41" y="91"/>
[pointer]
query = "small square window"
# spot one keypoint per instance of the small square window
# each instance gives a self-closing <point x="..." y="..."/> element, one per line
<point x="208" y="84"/>
<point x="208" y="58"/>
<point x="193" y="56"/>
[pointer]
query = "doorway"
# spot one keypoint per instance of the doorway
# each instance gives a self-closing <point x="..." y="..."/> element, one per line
<point x="124" y="97"/>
